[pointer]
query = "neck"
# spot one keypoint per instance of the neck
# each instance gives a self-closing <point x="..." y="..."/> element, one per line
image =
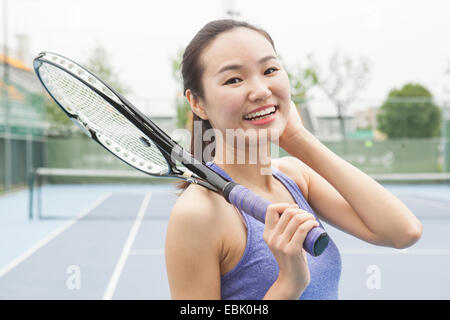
<point x="250" y="167"/>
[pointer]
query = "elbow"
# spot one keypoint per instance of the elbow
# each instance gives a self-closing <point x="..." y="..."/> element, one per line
<point x="411" y="235"/>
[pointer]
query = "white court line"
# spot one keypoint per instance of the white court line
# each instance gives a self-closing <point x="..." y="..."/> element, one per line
<point x="51" y="236"/>
<point x="432" y="203"/>
<point x="156" y="252"/>
<point x="147" y="252"/>
<point x="109" y="292"/>
<point x="426" y="252"/>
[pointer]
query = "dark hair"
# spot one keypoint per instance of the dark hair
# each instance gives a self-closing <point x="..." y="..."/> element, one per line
<point x="192" y="70"/>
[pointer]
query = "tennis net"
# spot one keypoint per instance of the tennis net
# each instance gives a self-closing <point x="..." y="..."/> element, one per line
<point x="54" y="192"/>
<point x="409" y="178"/>
<point x="60" y="193"/>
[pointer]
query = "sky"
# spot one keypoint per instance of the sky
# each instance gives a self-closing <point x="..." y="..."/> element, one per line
<point x="405" y="41"/>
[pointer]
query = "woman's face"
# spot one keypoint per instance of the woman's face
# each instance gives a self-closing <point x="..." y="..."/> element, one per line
<point x="241" y="74"/>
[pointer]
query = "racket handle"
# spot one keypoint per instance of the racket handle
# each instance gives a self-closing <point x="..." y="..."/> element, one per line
<point x="242" y="198"/>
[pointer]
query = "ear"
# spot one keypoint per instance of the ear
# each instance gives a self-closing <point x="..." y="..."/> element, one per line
<point x="196" y="105"/>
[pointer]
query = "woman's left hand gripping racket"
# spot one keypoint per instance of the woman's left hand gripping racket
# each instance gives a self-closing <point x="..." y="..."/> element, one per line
<point x="108" y="118"/>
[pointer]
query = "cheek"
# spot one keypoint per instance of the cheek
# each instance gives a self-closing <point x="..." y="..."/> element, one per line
<point x="281" y="88"/>
<point x="224" y="103"/>
<point x="222" y="114"/>
<point x="230" y="105"/>
<point x="233" y="107"/>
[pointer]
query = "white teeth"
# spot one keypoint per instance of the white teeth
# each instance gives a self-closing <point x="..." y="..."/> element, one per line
<point x="259" y="113"/>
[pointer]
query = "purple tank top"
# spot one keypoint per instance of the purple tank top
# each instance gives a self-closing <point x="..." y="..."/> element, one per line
<point x="257" y="269"/>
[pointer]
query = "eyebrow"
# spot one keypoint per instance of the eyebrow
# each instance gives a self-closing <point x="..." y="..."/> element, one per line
<point x="238" y="66"/>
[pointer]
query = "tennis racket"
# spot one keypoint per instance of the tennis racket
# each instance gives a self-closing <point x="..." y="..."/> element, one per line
<point x="113" y="122"/>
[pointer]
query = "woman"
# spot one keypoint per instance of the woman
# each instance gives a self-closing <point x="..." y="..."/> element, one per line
<point x="231" y="71"/>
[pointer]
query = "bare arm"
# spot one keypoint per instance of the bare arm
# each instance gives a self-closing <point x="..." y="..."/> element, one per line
<point x="351" y="200"/>
<point x="192" y="255"/>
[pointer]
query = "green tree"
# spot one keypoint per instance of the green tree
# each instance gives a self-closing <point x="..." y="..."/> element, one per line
<point x="57" y="121"/>
<point x="98" y="63"/>
<point x="302" y="79"/>
<point x="409" y="112"/>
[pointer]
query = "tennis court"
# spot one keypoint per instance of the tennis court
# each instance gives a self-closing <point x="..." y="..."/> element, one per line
<point x="106" y="241"/>
<point x="98" y="230"/>
<point x="98" y="241"/>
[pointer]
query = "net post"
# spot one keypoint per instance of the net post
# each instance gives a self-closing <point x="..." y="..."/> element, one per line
<point x="444" y="134"/>
<point x="31" y="179"/>
<point x="39" y="194"/>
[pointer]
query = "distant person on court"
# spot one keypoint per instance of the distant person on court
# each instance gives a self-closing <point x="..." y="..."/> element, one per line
<point x="234" y="82"/>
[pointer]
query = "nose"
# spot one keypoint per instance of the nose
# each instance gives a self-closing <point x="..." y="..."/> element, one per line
<point x="259" y="91"/>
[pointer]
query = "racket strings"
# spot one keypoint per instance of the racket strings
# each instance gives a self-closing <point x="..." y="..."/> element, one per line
<point x="114" y="131"/>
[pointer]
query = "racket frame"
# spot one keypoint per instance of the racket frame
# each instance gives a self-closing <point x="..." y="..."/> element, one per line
<point x="197" y="172"/>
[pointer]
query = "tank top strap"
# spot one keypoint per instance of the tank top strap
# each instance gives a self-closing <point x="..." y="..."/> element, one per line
<point x="220" y="171"/>
<point x="294" y="190"/>
<point x="292" y="187"/>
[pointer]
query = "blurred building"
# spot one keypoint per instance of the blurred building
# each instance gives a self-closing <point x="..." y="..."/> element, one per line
<point x="309" y="120"/>
<point x="161" y="111"/>
<point x="361" y="126"/>
<point x="328" y="127"/>
<point x="366" y="119"/>
<point x="21" y="98"/>
<point x="22" y="122"/>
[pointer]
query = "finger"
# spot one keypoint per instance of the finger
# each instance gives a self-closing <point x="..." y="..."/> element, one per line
<point x="294" y="224"/>
<point x="273" y="213"/>
<point x="300" y="234"/>
<point x="297" y="114"/>
<point x="286" y="216"/>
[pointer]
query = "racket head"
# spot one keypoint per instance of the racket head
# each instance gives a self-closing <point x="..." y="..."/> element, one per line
<point x="71" y="85"/>
<point x="101" y="113"/>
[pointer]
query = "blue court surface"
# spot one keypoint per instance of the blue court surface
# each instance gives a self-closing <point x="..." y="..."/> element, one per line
<point x="107" y="242"/>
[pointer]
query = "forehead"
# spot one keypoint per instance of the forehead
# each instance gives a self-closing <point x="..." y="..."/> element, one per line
<point x="235" y="45"/>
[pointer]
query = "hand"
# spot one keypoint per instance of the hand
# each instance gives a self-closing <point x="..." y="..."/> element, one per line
<point x="284" y="235"/>
<point x="293" y="125"/>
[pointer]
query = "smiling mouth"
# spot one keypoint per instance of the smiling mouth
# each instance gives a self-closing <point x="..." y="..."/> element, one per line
<point x="259" y="115"/>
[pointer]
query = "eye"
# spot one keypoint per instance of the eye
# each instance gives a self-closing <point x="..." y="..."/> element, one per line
<point x="232" y="81"/>
<point x="270" y="70"/>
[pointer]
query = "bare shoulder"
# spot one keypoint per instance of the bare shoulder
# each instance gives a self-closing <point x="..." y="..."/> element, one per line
<point x="196" y="203"/>
<point x="193" y="198"/>
<point x="193" y="245"/>
<point x="295" y="169"/>
<point x="194" y="216"/>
